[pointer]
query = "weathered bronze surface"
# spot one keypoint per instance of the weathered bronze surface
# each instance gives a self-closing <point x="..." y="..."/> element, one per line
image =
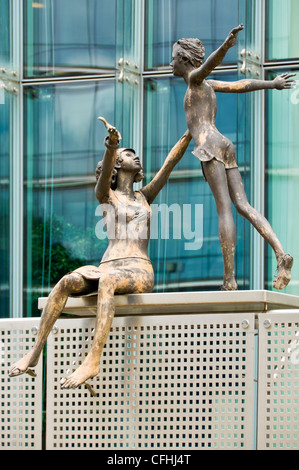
<point x="125" y="267"/>
<point x="217" y="153"/>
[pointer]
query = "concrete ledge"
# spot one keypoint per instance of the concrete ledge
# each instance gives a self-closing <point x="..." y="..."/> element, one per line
<point x="184" y="302"/>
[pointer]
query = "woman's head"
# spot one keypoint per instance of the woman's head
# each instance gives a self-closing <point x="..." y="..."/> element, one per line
<point x="188" y="50"/>
<point x="127" y="160"/>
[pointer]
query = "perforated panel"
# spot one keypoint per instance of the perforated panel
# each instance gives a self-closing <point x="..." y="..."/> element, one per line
<point x="21" y="397"/>
<point x="278" y="412"/>
<point x="166" y="382"/>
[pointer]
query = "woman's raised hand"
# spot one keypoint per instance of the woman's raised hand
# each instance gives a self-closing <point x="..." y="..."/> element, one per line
<point x="114" y="135"/>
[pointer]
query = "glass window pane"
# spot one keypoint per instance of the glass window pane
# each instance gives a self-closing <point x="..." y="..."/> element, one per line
<point x="169" y="20"/>
<point x="176" y="264"/>
<point x="5" y="149"/>
<point x="4" y="204"/>
<point x="282" y="33"/>
<point x="4" y="32"/>
<point x="63" y="143"/>
<point x="282" y="177"/>
<point x="65" y="37"/>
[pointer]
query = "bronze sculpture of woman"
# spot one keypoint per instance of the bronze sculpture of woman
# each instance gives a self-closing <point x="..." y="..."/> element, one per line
<point x="217" y="154"/>
<point x="125" y="267"/>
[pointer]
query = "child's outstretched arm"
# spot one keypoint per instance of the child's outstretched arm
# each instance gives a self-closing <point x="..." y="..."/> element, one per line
<point x="215" y="59"/>
<point x="282" y="82"/>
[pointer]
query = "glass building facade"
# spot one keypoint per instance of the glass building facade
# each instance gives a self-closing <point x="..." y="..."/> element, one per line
<point x="63" y="63"/>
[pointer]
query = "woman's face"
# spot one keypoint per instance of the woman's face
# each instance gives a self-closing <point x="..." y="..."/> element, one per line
<point x="177" y="64"/>
<point x="130" y="161"/>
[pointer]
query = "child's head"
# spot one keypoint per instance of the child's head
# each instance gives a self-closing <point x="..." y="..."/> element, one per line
<point x="192" y="50"/>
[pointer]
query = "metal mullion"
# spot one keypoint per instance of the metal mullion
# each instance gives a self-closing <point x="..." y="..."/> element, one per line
<point x="64" y="80"/>
<point x="16" y="170"/>
<point x="168" y="72"/>
<point x="257" y="262"/>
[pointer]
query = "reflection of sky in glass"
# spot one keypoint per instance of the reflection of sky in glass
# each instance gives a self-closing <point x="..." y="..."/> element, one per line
<point x="62" y="126"/>
<point x="71" y="35"/>
<point x="4" y="32"/>
<point x="282" y="32"/>
<point x="170" y="20"/>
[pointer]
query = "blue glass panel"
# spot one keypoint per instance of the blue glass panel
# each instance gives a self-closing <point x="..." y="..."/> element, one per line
<point x="63" y="143"/>
<point x="4" y="205"/>
<point x="169" y="20"/>
<point x="176" y="266"/>
<point x="69" y="37"/>
<point x="282" y="33"/>
<point x="4" y="32"/>
<point x="4" y="162"/>
<point x="282" y="176"/>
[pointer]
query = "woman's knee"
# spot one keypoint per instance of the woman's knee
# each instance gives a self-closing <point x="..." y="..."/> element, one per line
<point x="106" y="284"/>
<point x="72" y="282"/>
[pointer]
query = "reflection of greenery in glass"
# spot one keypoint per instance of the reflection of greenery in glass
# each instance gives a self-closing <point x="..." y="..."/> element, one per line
<point x="71" y="247"/>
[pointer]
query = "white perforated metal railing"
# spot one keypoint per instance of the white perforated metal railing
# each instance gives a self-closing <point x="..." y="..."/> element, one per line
<point x="166" y="382"/>
<point x="278" y="417"/>
<point x="21" y="397"/>
<point x="184" y="381"/>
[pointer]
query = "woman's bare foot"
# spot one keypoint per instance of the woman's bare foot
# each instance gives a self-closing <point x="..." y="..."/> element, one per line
<point x="84" y="372"/>
<point x="22" y="365"/>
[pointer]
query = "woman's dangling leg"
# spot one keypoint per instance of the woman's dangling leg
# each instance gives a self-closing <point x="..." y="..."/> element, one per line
<point x="69" y="284"/>
<point x="105" y="314"/>
<point x="134" y="277"/>
<point x="215" y="174"/>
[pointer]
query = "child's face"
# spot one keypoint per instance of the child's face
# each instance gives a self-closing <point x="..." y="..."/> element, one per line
<point x="177" y="63"/>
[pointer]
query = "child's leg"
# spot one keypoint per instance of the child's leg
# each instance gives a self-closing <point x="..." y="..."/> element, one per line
<point x="215" y="175"/>
<point x="239" y="198"/>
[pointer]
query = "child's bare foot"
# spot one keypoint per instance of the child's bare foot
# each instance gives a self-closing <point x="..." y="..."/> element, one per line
<point x="84" y="372"/>
<point x="229" y="285"/>
<point x="284" y="266"/>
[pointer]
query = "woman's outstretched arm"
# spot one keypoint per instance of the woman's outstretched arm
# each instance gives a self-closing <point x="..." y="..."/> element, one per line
<point x="152" y="189"/>
<point x="112" y="143"/>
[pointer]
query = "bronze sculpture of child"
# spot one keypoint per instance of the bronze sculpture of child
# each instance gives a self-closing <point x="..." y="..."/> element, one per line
<point x="217" y="153"/>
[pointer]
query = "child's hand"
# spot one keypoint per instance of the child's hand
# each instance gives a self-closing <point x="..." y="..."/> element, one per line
<point x="232" y="37"/>
<point x="283" y="82"/>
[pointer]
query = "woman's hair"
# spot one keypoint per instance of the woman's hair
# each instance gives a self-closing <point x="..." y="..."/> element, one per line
<point x="192" y="50"/>
<point x="138" y="177"/>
